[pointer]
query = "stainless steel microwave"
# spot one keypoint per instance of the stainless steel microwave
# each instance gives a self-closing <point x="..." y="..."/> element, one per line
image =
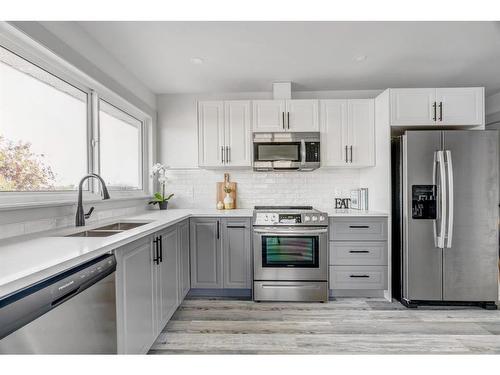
<point x="286" y="151"/>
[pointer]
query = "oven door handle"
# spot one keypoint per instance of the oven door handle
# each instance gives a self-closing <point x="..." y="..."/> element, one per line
<point x="272" y="232"/>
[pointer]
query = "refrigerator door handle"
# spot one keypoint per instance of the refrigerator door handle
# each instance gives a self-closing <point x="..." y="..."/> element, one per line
<point x="449" y="168"/>
<point x="441" y="214"/>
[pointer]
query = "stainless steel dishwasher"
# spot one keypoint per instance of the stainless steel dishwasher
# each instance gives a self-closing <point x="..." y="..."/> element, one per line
<point x="70" y="313"/>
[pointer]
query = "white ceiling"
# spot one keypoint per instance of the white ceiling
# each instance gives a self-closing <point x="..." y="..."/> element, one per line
<point x="249" y="56"/>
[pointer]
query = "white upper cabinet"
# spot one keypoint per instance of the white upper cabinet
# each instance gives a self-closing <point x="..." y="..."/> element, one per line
<point x="297" y="115"/>
<point x="361" y="132"/>
<point x="348" y="133"/>
<point x="460" y="106"/>
<point x="210" y="133"/>
<point x="333" y="132"/>
<point x="268" y="115"/>
<point x="442" y="106"/>
<point x="224" y="134"/>
<point x="238" y="133"/>
<point x="302" y="115"/>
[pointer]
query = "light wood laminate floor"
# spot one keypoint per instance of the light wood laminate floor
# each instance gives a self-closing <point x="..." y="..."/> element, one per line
<point x="344" y="326"/>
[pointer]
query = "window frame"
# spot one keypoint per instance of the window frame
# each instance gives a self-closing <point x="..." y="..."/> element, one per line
<point x="33" y="52"/>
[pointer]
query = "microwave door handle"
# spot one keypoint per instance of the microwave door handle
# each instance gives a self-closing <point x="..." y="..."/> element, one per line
<point x="449" y="168"/>
<point x="303" y="152"/>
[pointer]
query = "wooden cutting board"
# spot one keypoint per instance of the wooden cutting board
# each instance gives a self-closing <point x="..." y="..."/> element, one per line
<point x="220" y="190"/>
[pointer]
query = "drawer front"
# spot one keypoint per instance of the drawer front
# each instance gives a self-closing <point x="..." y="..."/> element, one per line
<point x="354" y="253"/>
<point x="358" y="229"/>
<point x="358" y="277"/>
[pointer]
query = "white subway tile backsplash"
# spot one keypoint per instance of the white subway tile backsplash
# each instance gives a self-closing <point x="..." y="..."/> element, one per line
<point x="197" y="187"/>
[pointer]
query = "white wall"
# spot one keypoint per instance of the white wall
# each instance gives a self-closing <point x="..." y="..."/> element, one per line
<point x="70" y="41"/>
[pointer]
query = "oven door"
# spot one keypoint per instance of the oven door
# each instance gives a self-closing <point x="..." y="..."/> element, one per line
<point x="290" y="253"/>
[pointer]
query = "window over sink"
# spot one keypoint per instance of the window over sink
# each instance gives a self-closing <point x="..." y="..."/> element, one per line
<point x="57" y="124"/>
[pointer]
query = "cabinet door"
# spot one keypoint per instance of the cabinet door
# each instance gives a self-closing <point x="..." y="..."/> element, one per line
<point x="238" y="133"/>
<point x="210" y="133"/>
<point x="334" y="133"/>
<point x="135" y="297"/>
<point x="184" y="277"/>
<point x="167" y="277"/>
<point x="268" y="115"/>
<point x="460" y="106"/>
<point x="236" y="255"/>
<point x="302" y="115"/>
<point x="361" y="132"/>
<point x="205" y="253"/>
<point x="412" y="107"/>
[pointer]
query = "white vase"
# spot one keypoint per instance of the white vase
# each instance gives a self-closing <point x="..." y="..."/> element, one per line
<point x="228" y="202"/>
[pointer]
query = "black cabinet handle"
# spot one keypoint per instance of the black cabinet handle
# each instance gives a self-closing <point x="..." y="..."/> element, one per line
<point x="160" y="257"/>
<point x="351" y="154"/>
<point x="236" y="226"/>
<point x="440" y="111"/>
<point x="156" y="256"/>
<point x="435" y="112"/>
<point x="359" y="276"/>
<point x="218" y="234"/>
<point x="283" y="119"/>
<point x="346" y="154"/>
<point x="359" y="226"/>
<point x="359" y="251"/>
<point x="288" y="119"/>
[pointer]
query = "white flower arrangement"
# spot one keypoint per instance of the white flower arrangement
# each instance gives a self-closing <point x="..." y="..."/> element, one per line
<point x="159" y="171"/>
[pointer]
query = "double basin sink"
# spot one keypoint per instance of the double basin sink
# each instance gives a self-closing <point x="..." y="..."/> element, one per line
<point x="107" y="230"/>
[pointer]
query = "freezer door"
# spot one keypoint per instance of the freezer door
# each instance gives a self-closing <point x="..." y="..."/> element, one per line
<point x="422" y="260"/>
<point x="470" y="269"/>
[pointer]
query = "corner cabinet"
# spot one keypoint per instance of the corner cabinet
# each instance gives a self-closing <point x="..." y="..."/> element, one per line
<point x="184" y="269"/>
<point x="224" y="134"/>
<point x="458" y="106"/>
<point x="220" y="253"/>
<point x="294" y="115"/>
<point x="347" y="133"/>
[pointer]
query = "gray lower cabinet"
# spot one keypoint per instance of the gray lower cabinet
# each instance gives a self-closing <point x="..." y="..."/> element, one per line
<point x="236" y="254"/>
<point x="167" y="281"/>
<point x="220" y="253"/>
<point x="135" y="282"/>
<point x="184" y="269"/>
<point x="205" y="253"/>
<point x="358" y="255"/>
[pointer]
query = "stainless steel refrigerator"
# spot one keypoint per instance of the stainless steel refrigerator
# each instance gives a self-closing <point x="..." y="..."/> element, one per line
<point x="445" y="206"/>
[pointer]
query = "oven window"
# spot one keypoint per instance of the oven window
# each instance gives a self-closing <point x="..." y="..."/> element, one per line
<point x="290" y="251"/>
<point x="272" y="152"/>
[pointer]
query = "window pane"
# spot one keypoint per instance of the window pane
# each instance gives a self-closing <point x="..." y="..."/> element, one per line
<point x="43" y="128"/>
<point x="120" y="148"/>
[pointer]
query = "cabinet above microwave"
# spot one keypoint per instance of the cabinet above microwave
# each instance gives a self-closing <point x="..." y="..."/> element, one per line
<point x="293" y="115"/>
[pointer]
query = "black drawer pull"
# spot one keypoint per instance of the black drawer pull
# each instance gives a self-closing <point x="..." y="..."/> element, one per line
<point x="359" y="276"/>
<point x="359" y="251"/>
<point x="236" y="226"/>
<point x="359" y="226"/>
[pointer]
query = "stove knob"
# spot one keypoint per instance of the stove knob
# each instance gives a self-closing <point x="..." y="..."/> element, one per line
<point x="314" y="218"/>
<point x="307" y="218"/>
<point x="321" y="218"/>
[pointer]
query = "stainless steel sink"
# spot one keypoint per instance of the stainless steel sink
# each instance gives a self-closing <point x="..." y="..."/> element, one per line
<point x="107" y="230"/>
<point x="94" y="233"/>
<point x="121" y="226"/>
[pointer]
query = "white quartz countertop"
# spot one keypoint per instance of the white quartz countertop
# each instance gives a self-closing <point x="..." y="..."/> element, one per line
<point x="360" y="213"/>
<point x="30" y="259"/>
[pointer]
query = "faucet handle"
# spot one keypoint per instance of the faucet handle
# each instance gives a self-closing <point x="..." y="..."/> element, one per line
<point x="87" y="215"/>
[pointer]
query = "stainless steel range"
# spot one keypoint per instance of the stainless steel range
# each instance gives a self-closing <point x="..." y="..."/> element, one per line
<point x="290" y="254"/>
